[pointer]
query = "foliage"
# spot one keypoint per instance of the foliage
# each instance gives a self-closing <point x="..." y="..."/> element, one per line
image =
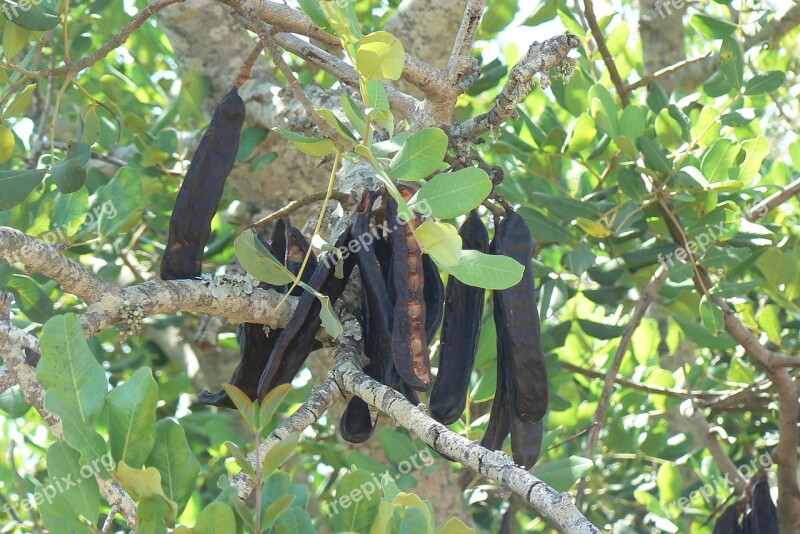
<point x="592" y="179"/>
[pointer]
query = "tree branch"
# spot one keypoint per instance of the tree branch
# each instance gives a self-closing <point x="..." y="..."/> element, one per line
<point x="347" y="378"/>
<point x="773" y="201"/>
<point x="461" y="61"/>
<point x="25" y="376"/>
<point x="603" y="403"/>
<point x="538" y="60"/>
<point x="597" y="33"/>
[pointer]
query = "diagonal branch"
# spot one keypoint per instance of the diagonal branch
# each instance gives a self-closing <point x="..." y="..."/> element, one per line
<point x="539" y="59"/>
<point x="347" y="378"/>
<point x="603" y="403"/>
<point x="597" y="33"/>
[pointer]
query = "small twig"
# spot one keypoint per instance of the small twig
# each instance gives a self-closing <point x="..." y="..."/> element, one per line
<point x="295" y="205"/>
<point x="603" y="403"/>
<point x="461" y="62"/>
<point x="597" y="33"/>
<point x="666" y="71"/>
<point x="103" y="51"/>
<point x="553" y="52"/>
<point x="773" y="201"/>
<point x="109" y="522"/>
<point x="247" y="66"/>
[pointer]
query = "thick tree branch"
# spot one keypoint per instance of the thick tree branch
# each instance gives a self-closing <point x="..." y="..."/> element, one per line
<point x="773" y="201"/>
<point x="461" y="61"/>
<point x="539" y="59"/>
<point x="347" y="378"/>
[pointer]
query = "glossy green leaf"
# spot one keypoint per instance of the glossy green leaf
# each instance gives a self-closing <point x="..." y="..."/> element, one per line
<point x="712" y="27"/>
<point x="258" y="261"/>
<point x="719" y="160"/>
<point x="30" y="298"/>
<point x="175" y="461"/>
<point x="17" y="185"/>
<point x="562" y="474"/>
<point x="215" y="518"/>
<point x="448" y="195"/>
<point x="755" y="151"/>
<point x="19" y="104"/>
<point x="41" y="18"/>
<point x="421" y="155"/>
<point x="732" y="64"/>
<point x="7" y="144"/>
<point x="330" y="321"/>
<point x="764" y="83"/>
<point x="475" y="268"/>
<point x="132" y="418"/>
<point x="313" y="146"/>
<point x="69" y="174"/>
<point x="357" y="505"/>
<point x="75" y="384"/>
<point x="145" y="483"/>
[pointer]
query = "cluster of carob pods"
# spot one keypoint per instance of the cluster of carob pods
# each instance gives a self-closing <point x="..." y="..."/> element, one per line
<point x="404" y="303"/>
<point x="758" y="513"/>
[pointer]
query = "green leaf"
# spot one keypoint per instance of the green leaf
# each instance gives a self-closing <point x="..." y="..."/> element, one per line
<point x="30" y="297"/>
<point x="272" y="402"/>
<point x="75" y="384"/>
<point x="583" y="132"/>
<point x="353" y="113"/>
<point x="448" y="195"/>
<point x="755" y="151"/>
<point x="63" y="464"/>
<point x="7" y="144"/>
<point x="770" y="322"/>
<point x="543" y="228"/>
<point x="243" y="404"/>
<point x="330" y="321"/>
<point x="176" y="462"/>
<point x="764" y="83"/>
<point x="257" y="260"/>
<point x="732" y="61"/>
<point x="654" y="157"/>
<point x="262" y="161"/>
<point x="276" y="509"/>
<point x="357" y="501"/>
<point x="314" y="12"/>
<point x="20" y="102"/>
<point x="333" y="121"/>
<point x="251" y="137"/>
<point x="280" y="452"/>
<point x="441" y="241"/>
<point x="42" y="18"/>
<point x="17" y="185"/>
<point x="152" y="514"/>
<point x="342" y="17"/>
<point x="669" y="482"/>
<point x="295" y="521"/>
<point x="120" y="204"/>
<point x="499" y="15"/>
<point x="91" y="125"/>
<point x="14" y="40"/>
<point x="145" y="483"/>
<point x="215" y="518"/>
<point x="380" y="56"/>
<point x="421" y="155"/>
<point x="69" y="174"/>
<point x="547" y="10"/>
<point x="132" y="418"/>
<point x="69" y="211"/>
<point x="719" y="160"/>
<point x="780" y="272"/>
<point x="486" y="270"/>
<point x="241" y="459"/>
<point x="454" y="525"/>
<point x="600" y="330"/>
<point x="562" y="474"/>
<point x="313" y="146"/>
<point x="712" y="27"/>
<point x="712" y="316"/>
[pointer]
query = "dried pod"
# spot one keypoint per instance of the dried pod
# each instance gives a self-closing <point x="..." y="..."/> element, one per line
<point x="463" y="314"/>
<point x="409" y="341"/>
<point x="201" y="191"/>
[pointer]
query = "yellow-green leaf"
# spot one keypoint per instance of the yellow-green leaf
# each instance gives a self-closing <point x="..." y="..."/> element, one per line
<point x="380" y="56"/>
<point x="593" y="228"/>
<point x="7" y="144"/>
<point x="21" y="102"/>
<point x="440" y="240"/>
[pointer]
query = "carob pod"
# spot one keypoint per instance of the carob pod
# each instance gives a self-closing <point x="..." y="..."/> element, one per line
<point x="763" y="516"/>
<point x="409" y="341"/>
<point x="517" y="320"/>
<point x="463" y="314"/>
<point x="728" y="522"/>
<point x="522" y="391"/>
<point x="356" y="425"/>
<point x="201" y="191"/>
<point x="296" y="248"/>
<point x="433" y="294"/>
<point x="255" y="345"/>
<point x="298" y="338"/>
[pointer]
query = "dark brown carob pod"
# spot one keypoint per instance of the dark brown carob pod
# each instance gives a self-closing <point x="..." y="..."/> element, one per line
<point x="763" y="516"/>
<point x="434" y="298"/>
<point x="255" y="345"/>
<point x="517" y="319"/>
<point x="296" y="248"/>
<point x="463" y="314"/>
<point x="409" y="341"/>
<point x="728" y="522"/>
<point x="201" y="191"/>
<point x="298" y="338"/>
